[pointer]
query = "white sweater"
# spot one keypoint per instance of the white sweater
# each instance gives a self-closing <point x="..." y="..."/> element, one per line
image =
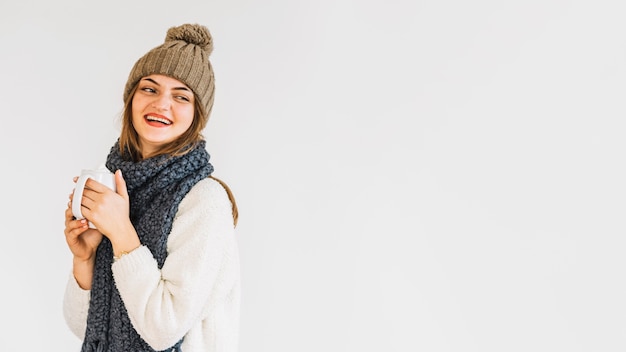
<point x="197" y="292"/>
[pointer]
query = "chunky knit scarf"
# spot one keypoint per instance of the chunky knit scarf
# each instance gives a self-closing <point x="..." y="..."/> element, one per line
<point x="156" y="187"/>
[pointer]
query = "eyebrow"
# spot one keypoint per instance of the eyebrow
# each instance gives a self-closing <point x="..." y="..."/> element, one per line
<point x="157" y="83"/>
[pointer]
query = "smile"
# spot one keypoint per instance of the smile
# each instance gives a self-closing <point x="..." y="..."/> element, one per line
<point x="162" y="120"/>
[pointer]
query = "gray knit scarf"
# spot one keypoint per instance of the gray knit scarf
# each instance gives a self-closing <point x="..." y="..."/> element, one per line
<point x="156" y="187"/>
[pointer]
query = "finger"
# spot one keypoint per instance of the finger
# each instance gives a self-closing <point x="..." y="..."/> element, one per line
<point x="90" y="194"/>
<point x="86" y="205"/>
<point x="74" y="230"/>
<point x="120" y="184"/>
<point x="96" y="186"/>
<point x="69" y="216"/>
<point x="68" y="213"/>
<point x="71" y="225"/>
<point x="79" y="224"/>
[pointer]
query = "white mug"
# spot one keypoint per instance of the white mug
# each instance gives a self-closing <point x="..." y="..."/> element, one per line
<point x="102" y="175"/>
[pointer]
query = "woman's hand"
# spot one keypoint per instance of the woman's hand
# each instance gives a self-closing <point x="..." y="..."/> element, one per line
<point x="109" y="211"/>
<point x="104" y="207"/>
<point x="83" y="243"/>
<point x="81" y="240"/>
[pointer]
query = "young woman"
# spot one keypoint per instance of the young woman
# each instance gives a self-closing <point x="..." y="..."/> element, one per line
<point x="161" y="270"/>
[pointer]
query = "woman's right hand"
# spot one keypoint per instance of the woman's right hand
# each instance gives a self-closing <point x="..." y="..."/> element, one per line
<point x="81" y="240"/>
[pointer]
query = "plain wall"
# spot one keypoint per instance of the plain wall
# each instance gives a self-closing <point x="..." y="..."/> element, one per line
<point x="411" y="175"/>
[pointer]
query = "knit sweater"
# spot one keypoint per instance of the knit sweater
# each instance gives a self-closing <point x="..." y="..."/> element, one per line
<point x="197" y="292"/>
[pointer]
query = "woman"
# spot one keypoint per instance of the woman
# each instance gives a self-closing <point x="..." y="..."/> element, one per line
<point x="161" y="269"/>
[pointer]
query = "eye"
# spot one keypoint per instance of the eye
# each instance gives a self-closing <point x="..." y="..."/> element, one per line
<point x="148" y="89"/>
<point x="183" y="98"/>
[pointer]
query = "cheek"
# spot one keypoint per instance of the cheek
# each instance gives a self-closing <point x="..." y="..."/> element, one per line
<point x="186" y="115"/>
<point x="137" y="107"/>
<point x="134" y="114"/>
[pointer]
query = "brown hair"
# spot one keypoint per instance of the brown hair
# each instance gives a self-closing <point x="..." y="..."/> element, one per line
<point x="231" y="197"/>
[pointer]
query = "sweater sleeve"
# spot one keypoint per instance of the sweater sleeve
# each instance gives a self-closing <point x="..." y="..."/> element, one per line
<point x="164" y="304"/>
<point x="76" y="307"/>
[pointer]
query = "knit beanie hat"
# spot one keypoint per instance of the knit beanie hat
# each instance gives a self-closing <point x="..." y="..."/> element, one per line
<point x="184" y="56"/>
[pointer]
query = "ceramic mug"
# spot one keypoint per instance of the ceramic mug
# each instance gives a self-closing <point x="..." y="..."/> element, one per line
<point x="102" y="175"/>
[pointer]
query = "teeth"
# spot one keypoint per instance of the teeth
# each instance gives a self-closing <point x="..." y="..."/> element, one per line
<point x="154" y="118"/>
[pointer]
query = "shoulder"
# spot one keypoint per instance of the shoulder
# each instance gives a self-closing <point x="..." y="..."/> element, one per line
<point x="209" y="187"/>
<point x="203" y="219"/>
<point x="210" y="197"/>
<point x="207" y="192"/>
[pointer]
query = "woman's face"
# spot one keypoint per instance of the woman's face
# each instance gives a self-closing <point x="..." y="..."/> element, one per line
<point x="162" y="110"/>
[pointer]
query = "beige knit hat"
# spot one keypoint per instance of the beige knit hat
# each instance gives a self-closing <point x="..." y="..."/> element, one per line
<point x="185" y="56"/>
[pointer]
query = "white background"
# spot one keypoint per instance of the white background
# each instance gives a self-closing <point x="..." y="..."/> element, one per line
<point x="411" y="175"/>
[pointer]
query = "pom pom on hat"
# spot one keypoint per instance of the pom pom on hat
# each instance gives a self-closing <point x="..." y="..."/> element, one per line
<point x="192" y="34"/>
<point x="184" y="55"/>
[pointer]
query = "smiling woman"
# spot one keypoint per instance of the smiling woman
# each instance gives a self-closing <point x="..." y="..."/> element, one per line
<point x="160" y="271"/>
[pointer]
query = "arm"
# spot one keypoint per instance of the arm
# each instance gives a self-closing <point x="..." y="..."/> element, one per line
<point x="83" y="243"/>
<point x="75" y="307"/>
<point x="164" y="304"/>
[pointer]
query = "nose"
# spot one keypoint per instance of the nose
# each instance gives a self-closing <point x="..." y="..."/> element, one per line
<point x="161" y="102"/>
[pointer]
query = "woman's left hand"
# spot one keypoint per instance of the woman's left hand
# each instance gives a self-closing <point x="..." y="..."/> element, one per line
<point x="108" y="210"/>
